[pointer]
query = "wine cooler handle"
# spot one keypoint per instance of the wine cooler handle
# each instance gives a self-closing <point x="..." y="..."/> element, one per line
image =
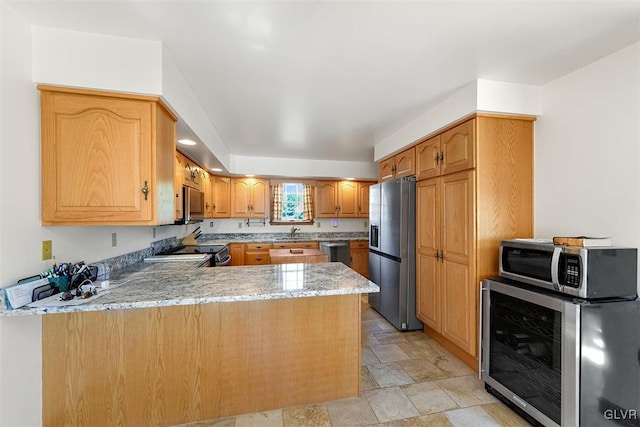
<point x="480" y="321"/>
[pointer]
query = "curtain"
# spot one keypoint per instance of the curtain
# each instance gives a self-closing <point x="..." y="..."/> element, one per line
<point x="307" y="200"/>
<point x="276" y="202"/>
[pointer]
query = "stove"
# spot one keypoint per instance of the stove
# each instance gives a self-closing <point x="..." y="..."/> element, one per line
<point x="220" y="255"/>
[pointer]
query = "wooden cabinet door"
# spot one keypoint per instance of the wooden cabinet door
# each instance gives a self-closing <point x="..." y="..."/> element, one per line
<point x="178" y="181"/>
<point x="96" y="159"/>
<point x="360" y="256"/>
<point x="327" y="199"/>
<point x="240" y="197"/>
<point x="458" y="148"/>
<point x="236" y="250"/>
<point x="458" y="272"/>
<point x="259" y="202"/>
<point x="387" y="168"/>
<point x="207" y="189"/>
<point x="192" y="174"/>
<point x="221" y="197"/>
<point x="429" y="291"/>
<point x="428" y="267"/>
<point x="405" y="163"/>
<point x="363" y="199"/>
<point x="428" y="158"/>
<point x="347" y="199"/>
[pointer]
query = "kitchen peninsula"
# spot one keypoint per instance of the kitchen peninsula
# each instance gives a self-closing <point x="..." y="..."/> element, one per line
<point x="177" y="344"/>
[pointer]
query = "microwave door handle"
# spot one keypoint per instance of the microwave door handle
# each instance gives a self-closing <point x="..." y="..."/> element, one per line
<point x="555" y="265"/>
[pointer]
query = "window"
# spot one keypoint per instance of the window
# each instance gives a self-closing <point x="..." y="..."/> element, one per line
<point x="291" y="202"/>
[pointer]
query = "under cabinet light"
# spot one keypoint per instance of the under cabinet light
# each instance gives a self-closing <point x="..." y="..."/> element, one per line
<point x="216" y="170"/>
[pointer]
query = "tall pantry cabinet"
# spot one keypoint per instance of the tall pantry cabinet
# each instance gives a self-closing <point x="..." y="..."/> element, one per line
<point x="475" y="189"/>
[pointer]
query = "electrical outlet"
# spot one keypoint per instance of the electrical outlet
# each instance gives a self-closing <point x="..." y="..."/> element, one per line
<point x="239" y="225"/>
<point x="366" y="224"/>
<point x="154" y="232"/>
<point x="211" y="224"/>
<point x="114" y="240"/>
<point x="47" y="249"/>
<point x="318" y="224"/>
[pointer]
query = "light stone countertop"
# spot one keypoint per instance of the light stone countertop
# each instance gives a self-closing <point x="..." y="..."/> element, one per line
<point x="182" y="283"/>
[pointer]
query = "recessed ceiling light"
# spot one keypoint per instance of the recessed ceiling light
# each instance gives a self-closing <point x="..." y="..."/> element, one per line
<point x="216" y="170"/>
<point x="186" y="142"/>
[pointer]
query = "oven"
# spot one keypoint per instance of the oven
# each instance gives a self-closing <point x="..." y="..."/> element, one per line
<point x="557" y="359"/>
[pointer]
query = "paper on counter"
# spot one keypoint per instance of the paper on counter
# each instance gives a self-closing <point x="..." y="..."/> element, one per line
<point x="22" y="293"/>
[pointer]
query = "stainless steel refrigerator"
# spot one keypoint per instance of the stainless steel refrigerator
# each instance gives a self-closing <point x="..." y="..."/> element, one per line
<point x="392" y="251"/>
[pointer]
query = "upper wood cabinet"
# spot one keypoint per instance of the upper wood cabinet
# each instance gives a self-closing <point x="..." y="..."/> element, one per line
<point x="221" y="189"/>
<point x="327" y="199"/>
<point x="178" y="182"/>
<point x="398" y="166"/>
<point x="192" y="174"/>
<point x="249" y="198"/>
<point x="342" y="199"/>
<point x="107" y="158"/>
<point x="451" y="151"/>
<point x="363" y="199"/>
<point x="462" y="217"/>
<point x="207" y="189"/>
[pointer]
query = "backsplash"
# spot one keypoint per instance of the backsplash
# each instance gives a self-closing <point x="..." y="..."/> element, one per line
<point x="258" y="237"/>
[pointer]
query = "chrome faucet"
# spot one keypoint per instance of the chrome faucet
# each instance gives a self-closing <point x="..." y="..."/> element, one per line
<point x="293" y="232"/>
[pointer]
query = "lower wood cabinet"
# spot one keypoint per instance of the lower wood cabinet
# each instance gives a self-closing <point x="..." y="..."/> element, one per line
<point x="257" y="253"/>
<point x="360" y="256"/>
<point x="236" y="250"/>
<point x="294" y="245"/>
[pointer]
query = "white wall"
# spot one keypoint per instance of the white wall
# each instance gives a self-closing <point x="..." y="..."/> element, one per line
<point x="587" y="149"/>
<point x="478" y="95"/>
<point x="72" y="58"/>
<point x="301" y="168"/>
<point x="326" y="225"/>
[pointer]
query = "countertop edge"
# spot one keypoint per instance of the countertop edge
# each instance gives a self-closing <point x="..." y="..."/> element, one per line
<point x="20" y="312"/>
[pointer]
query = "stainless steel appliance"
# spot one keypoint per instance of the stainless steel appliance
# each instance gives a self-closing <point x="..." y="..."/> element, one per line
<point x="192" y="206"/>
<point x="220" y="255"/>
<point x="592" y="273"/>
<point x="392" y="251"/>
<point x="337" y="251"/>
<point x="558" y="359"/>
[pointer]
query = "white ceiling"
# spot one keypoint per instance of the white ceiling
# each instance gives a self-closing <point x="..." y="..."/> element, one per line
<point x="328" y="79"/>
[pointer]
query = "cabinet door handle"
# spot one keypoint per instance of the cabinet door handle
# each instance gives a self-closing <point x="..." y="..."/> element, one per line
<point x="441" y="157"/>
<point x="207" y="205"/>
<point x="437" y="158"/>
<point x="258" y="259"/>
<point x="145" y="190"/>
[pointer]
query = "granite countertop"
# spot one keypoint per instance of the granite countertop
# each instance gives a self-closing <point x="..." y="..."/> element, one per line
<point x="182" y="283"/>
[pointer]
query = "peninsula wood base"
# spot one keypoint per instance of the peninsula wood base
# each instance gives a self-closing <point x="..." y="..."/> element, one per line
<point x="170" y="365"/>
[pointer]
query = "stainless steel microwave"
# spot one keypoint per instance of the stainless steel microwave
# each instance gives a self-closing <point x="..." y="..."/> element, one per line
<point x="589" y="273"/>
<point x="192" y="205"/>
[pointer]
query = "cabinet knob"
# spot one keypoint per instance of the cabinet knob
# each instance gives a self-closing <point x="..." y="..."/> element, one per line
<point x="145" y="190"/>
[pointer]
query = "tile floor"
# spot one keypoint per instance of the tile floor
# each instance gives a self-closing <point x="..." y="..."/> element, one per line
<point x="407" y="380"/>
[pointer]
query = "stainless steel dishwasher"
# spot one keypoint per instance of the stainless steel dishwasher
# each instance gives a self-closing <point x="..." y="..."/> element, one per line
<point x="337" y="251"/>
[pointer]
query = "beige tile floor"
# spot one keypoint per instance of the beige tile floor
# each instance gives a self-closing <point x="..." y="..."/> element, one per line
<point x="407" y="380"/>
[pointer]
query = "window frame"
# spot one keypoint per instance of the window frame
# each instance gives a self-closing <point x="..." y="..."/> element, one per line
<point x="295" y="222"/>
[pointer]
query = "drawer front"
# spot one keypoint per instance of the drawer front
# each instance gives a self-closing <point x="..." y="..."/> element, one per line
<point x="359" y="244"/>
<point x="302" y="245"/>
<point x="256" y="258"/>
<point x="258" y="246"/>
